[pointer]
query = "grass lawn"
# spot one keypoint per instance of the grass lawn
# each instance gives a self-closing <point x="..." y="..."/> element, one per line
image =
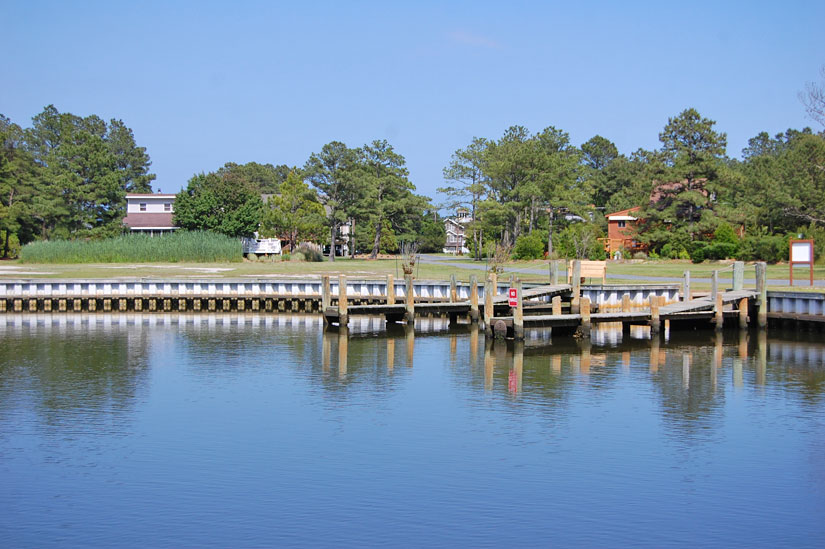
<point x="462" y="267"/>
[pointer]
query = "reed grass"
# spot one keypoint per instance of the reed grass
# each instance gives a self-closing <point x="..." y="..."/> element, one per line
<point x="180" y="246"/>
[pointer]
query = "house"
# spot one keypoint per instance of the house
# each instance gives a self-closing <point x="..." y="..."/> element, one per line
<point x="456" y="229"/>
<point x="621" y="232"/>
<point x="150" y="213"/>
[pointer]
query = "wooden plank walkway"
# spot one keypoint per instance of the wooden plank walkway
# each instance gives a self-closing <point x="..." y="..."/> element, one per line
<point x="538" y="291"/>
<point x="705" y="303"/>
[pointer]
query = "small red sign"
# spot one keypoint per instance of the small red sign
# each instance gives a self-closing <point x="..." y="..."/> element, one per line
<point x="513" y="297"/>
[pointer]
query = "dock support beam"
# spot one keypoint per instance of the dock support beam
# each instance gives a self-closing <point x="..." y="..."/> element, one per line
<point x="556" y="303"/>
<point x="714" y="286"/>
<point x="390" y="290"/>
<point x="488" y="307"/>
<point x="625" y="309"/>
<point x="453" y="289"/>
<point x="655" y="320"/>
<point x="743" y="313"/>
<point x="576" y="282"/>
<point x="473" y="298"/>
<point x="762" y="289"/>
<point x="686" y="287"/>
<point x="410" y="300"/>
<point x="585" y="314"/>
<point x="738" y="276"/>
<point x="718" y="311"/>
<point x="555" y="267"/>
<point x="343" y="316"/>
<point x="518" y="313"/>
<point x="325" y="299"/>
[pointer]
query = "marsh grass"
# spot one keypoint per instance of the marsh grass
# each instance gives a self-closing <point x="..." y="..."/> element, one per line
<point x="180" y="246"/>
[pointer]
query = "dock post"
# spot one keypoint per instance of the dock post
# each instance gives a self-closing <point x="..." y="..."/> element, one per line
<point x="410" y="300"/>
<point x="473" y="298"/>
<point x="585" y="313"/>
<point x="762" y="289"/>
<point x="555" y="267"/>
<point x="719" y="316"/>
<point x="488" y="307"/>
<point x="390" y="290"/>
<point x="686" y="287"/>
<point x="343" y="316"/>
<point x="738" y="276"/>
<point x="494" y="282"/>
<point x="576" y="282"/>
<point x="625" y="309"/>
<point x="325" y="299"/>
<point x="655" y="321"/>
<point x="556" y="302"/>
<point x="714" y="286"/>
<point x="518" y="313"/>
<point x="743" y="313"/>
<point x="453" y="289"/>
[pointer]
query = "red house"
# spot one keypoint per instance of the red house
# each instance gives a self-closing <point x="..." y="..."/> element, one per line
<point x="621" y="232"/>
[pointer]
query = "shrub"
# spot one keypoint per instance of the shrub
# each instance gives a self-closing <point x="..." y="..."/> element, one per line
<point x="698" y="254"/>
<point x="191" y="246"/>
<point x="529" y="246"/>
<point x="724" y="233"/>
<point x="310" y="252"/>
<point x="720" y="250"/>
<point x="580" y="241"/>
<point x="763" y="247"/>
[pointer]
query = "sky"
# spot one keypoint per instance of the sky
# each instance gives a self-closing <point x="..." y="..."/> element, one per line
<point x="204" y="83"/>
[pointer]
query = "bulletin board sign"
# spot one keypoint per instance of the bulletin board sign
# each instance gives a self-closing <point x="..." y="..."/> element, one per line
<point x="802" y="253"/>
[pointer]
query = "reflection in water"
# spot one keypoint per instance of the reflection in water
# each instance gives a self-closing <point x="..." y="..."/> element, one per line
<point x="188" y="423"/>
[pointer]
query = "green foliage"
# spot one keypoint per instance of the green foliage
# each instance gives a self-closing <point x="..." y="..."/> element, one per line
<point x="10" y="244"/>
<point x="264" y="178"/>
<point x="674" y="251"/>
<point x="431" y="233"/>
<point x="310" y="252"/>
<point x="579" y="241"/>
<point x="295" y="213"/>
<point x="219" y="203"/>
<point x="761" y="246"/>
<point x="180" y="246"/>
<point x="724" y="233"/>
<point x="529" y="246"/>
<point x="698" y="254"/>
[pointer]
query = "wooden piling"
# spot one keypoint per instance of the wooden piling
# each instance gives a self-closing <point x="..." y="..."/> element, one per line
<point x="518" y="312"/>
<point x="473" y="298"/>
<point x="686" y="287"/>
<point x="325" y="294"/>
<point x="714" y="286"/>
<point x="410" y="300"/>
<point x="585" y="314"/>
<point x="488" y="307"/>
<point x="743" y="313"/>
<point x="655" y="320"/>
<point x="556" y="303"/>
<point x="390" y="290"/>
<point x="555" y="271"/>
<point x="576" y="282"/>
<point x="453" y="289"/>
<point x="738" y="276"/>
<point x="762" y="289"/>
<point x="343" y="316"/>
<point x="718" y="311"/>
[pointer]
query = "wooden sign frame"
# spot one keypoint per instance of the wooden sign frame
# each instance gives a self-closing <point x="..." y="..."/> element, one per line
<point x="802" y="246"/>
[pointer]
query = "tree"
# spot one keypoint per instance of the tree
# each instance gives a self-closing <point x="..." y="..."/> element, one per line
<point x="265" y="178"/>
<point x="333" y="174"/>
<point x="387" y="187"/>
<point x="88" y="167"/>
<point x="221" y="203"/>
<point x="467" y="173"/>
<point x="598" y="153"/>
<point x="693" y="155"/>
<point x="294" y="212"/>
<point x="19" y="176"/>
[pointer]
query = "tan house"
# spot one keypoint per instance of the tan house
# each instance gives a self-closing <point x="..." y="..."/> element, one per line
<point x="150" y="213"/>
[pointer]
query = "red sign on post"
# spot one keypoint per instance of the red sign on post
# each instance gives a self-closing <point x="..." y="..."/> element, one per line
<point x="512" y="296"/>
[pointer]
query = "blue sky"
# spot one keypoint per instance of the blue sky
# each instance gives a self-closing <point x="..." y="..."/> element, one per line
<point x="204" y="83"/>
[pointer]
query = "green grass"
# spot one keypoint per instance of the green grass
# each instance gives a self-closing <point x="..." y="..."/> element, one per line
<point x="182" y="246"/>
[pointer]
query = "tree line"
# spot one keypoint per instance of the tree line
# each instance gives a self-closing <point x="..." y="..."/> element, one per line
<point x="538" y="193"/>
<point x="66" y="177"/>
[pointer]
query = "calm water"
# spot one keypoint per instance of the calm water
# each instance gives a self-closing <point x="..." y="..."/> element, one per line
<point x="240" y="431"/>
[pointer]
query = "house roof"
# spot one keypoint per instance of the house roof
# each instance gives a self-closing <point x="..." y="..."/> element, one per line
<point x="145" y="220"/>
<point x="625" y="213"/>
<point x="150" y="195"/>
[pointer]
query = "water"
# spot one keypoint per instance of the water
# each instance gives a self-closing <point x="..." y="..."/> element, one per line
<point x="138" y="431"/>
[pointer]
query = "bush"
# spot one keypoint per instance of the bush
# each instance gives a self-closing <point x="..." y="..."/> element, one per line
<point x="310" y="252"/>
<point x="721" y="250"/>
<point x="698" y="254"/>
<point x="763" y="247"/>
<point x="529" y="246"/>
<point x="724" y="233"/>
<point x="579" y="241"/>
<point x="191" y="246"/>
<point x="671" y="251"/>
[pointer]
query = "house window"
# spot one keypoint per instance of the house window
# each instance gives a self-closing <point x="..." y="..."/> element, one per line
<point x="167" y="207"/>
<point x="143" y="206"/>
<point x="621" y="224"/>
